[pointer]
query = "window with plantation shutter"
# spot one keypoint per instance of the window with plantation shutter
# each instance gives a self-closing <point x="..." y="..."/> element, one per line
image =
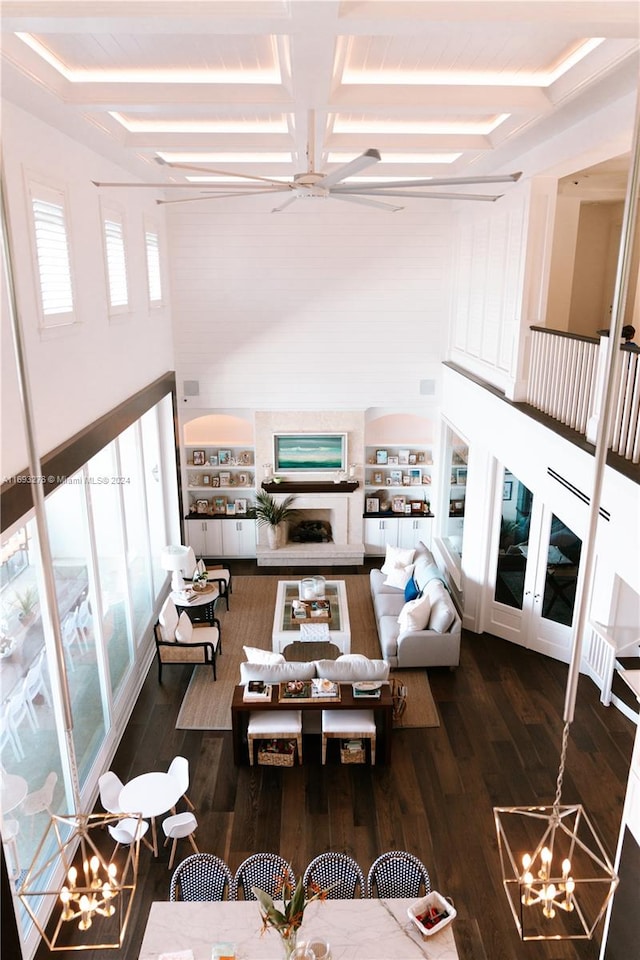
<point x="152" y="243"/>
<point x="115" y="256"/>
<point x="52" y="255"/>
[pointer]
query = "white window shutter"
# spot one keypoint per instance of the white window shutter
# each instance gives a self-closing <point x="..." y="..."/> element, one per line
<point x="52" y="253"/>
<point x="116" y="260"/>
<point x="153" y="265"/>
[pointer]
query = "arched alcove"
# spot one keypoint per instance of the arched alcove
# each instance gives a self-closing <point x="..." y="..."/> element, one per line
<point x="219" y="428"/>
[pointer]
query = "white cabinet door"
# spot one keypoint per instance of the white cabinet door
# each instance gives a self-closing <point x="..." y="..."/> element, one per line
<point x="413" y="529"/>
<point x="205" y="536"/>
<point x="378" y="533"/>
<point x="238" y="538"/>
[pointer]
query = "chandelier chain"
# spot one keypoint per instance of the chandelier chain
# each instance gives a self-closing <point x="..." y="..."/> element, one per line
<point x="563" y="757"/>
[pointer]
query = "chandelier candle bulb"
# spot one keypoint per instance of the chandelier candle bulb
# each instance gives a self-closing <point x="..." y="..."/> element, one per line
<point x="85" y="922"/>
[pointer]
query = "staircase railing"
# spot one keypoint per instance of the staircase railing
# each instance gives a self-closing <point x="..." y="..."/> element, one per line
<point x="563" y="382"/>
<point x="599" y="659"/>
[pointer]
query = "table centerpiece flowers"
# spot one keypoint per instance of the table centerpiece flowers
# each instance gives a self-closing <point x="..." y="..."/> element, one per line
<point x="287" y="921"/>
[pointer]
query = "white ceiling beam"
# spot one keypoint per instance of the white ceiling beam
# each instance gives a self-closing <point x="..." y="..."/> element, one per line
<point x="491" y="99"/>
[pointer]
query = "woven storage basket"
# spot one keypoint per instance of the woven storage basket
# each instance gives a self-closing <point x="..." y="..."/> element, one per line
<point x="352" y="756"/>
<point x="272" y="758"/>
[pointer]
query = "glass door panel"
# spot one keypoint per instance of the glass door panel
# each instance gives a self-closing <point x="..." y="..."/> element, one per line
<point x="515" y="523"/>
<point x="561" y="574"/>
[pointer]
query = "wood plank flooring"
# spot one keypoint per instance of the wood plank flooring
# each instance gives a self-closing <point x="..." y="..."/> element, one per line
<point x="498" y="744"/>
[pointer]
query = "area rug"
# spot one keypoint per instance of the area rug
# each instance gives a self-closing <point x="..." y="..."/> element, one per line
<point x="207" y="703"/>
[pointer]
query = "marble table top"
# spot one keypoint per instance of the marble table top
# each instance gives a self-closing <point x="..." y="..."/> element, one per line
<point x="355" y="929"/>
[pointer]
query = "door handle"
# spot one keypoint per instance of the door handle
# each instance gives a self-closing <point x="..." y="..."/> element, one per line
<point x="537" y="596"/>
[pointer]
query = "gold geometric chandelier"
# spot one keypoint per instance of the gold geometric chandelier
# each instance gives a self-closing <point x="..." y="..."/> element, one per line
<point x="96" y="892"/>
<point x="555" y="871"/>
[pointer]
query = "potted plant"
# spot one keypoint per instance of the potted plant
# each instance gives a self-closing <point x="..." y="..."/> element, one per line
<point x="274" y="515"/>
<point x="26" y="601"/>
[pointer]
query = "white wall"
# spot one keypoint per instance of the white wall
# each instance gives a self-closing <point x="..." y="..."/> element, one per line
<point x="320" y="307"/>
<point x="81" y="372"/>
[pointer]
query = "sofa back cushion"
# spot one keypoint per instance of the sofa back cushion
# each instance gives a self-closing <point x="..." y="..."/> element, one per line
<point x="443" y="612"/>
<point x="352" y="667"/>
<point x="425" y="570"/>
<point x="258" y="655"/>
<point x="276" y="672"/>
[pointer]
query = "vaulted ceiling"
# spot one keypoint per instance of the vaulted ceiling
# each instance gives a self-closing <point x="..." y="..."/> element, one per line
<point x="274" y="88"/>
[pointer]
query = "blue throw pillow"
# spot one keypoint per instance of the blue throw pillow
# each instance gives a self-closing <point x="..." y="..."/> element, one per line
<point x="411" y="591"/>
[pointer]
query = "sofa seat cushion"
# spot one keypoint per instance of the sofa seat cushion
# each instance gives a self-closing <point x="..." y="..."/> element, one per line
<point x="388" y="604"/>
<point x="276" y="672"/>
<point x="352" y="667"/>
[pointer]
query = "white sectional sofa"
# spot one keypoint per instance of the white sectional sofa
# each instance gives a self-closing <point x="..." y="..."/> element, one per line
<point x="418" y="624"/>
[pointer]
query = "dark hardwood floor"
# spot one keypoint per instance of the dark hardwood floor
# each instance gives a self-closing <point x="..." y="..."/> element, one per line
<point x="498" y="744"/>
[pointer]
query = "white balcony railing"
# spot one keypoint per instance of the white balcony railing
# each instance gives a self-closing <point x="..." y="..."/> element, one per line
<point x="564" y="376"/>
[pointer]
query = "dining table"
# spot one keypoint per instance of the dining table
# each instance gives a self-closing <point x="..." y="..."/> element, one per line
<point x="364" y="929"/>
<point x="150" y="795"/>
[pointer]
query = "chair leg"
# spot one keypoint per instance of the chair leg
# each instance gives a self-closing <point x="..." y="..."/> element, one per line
<point x="373" y="751"/>
<point x="250" y="742"/>
<point x="173" y="851"/>
<point x="193" y="843"/>
<point x="299" y="742"/>
<point x="324" y="748"/>
<point x="186" y="798"/>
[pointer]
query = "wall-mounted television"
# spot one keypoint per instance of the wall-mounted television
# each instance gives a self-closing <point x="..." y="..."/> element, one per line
<point x="310" y="452"/>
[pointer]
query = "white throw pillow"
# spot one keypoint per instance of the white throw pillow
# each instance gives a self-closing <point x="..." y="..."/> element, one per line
<point x="442" y="615"/>
<point x="184" y="630"/>
<point x="399" y="576"/>
<point x="258" y="655"/>
<point x="168" y="620"/>
<point x="415" y="615"/>
<point x="397" y="557"/>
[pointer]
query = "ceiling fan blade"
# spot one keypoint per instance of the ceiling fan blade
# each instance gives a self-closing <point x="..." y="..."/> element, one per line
<point x="437" y="182"/>
<point x="366" y="201"/>
<point x="218" y="173"/>
<point x="349" y="169"/>
<point x="342" y="192"/>
<point x="287" y="203"/>
<point x="219" y="196"/>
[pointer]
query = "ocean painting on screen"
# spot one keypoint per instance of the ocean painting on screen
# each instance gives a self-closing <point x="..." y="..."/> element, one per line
<point x="309" y="452"/>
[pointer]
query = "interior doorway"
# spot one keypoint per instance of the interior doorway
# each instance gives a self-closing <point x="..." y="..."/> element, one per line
<point x="535" y="572"/>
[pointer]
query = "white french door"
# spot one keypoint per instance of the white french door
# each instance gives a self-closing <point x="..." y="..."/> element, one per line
<point x="535" y="569"/>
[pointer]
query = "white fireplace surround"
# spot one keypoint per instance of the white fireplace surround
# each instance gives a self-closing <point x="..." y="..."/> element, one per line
<point x="334" y="507"/>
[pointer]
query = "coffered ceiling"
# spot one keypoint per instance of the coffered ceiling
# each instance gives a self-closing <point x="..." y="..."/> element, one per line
<point x="274" y="88"/>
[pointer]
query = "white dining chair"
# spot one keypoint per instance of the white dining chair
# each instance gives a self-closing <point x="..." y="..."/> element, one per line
<point x="8" y="733"/>
<point x="85" y="624"/>
<point x="110" y="785"/>
<point x="70" y="637"/>
<point x="35" y="684"/>
<point x="177" y="827"/>
<point x="128" y="831"/>
<point x="179" y="770"/>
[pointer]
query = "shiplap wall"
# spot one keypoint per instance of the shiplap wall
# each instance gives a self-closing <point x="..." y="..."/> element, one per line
<point x="324" y="306"/>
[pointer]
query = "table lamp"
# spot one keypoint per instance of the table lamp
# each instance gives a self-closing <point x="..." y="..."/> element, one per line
<point x="174" y="558"/>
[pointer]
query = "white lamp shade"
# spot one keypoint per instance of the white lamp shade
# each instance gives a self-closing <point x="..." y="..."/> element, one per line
<point x="174" y="558"/>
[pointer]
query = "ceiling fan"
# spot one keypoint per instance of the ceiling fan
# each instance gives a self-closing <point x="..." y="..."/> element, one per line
<point x="334" y="185"/>
<point x="312" y="185"/>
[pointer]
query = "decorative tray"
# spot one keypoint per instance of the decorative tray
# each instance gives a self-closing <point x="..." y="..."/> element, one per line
<point x="302" y="691"/>
<point x="310" y="611"/>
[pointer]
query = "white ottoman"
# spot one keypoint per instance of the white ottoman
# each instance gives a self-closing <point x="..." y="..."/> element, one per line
<point x="275" y="725"/>
<point x="348" y="724"/>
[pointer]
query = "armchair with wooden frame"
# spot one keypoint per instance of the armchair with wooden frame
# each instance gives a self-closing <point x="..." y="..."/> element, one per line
<point x="179" y="641"/>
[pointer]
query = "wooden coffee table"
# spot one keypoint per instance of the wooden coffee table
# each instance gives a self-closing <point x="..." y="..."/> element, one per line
<point x="287" y="630"/>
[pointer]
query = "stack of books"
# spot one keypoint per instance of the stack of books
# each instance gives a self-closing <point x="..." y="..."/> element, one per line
<point x="366" y="690"/>
<point x="257" y="690"/>
<point x="324" y="688"/>
<point x="352" y="746"/>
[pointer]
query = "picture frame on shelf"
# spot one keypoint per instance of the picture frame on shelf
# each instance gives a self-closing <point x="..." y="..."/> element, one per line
<point x="243" y="479"/>
<point x="206" y="479"/>
<point x="412" y="458"/>
<point x="416" y="506"/>
<point x="215" y="481"/>
<point x="372" y="505"/>
<point x="224" y="457"/>
<point x="415" y="473"/>
<point x="507" y="490"/>
<point x="213" y="459"/>
<point x="390" y="482"/>
<point x="421" y="458"/>
<point x="230" y="508"/>
<point x="403" y="457"/>
<point x="398" y="504"/>
<point x="382" y="457"/>
<point x="406" y="480"/>
<point x="225" y="478"/>
<point x="395" y="476"/>
<point x="461" y="476"/>
<point x="241" y="506"/>
<point x="377" y="477"/>
<point x="202" y="506"/>
<point x="219" y="504"/>
<point x="393" y="461"/>
<point x="199" y="458"/>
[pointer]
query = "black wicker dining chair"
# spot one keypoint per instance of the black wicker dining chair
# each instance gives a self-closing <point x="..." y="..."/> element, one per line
<point x="265" y="871"/>
<point x="398" y="873"/>
<point x="338" y="874"/>
<point x="202" y="876"/>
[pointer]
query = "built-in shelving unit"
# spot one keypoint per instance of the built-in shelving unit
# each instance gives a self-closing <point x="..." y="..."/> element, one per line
<point x="397" y="479"/>
<point x="220" y="481"/>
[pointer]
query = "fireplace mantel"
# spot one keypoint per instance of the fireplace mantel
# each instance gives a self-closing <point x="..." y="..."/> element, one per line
<point x="310" y="486"/>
